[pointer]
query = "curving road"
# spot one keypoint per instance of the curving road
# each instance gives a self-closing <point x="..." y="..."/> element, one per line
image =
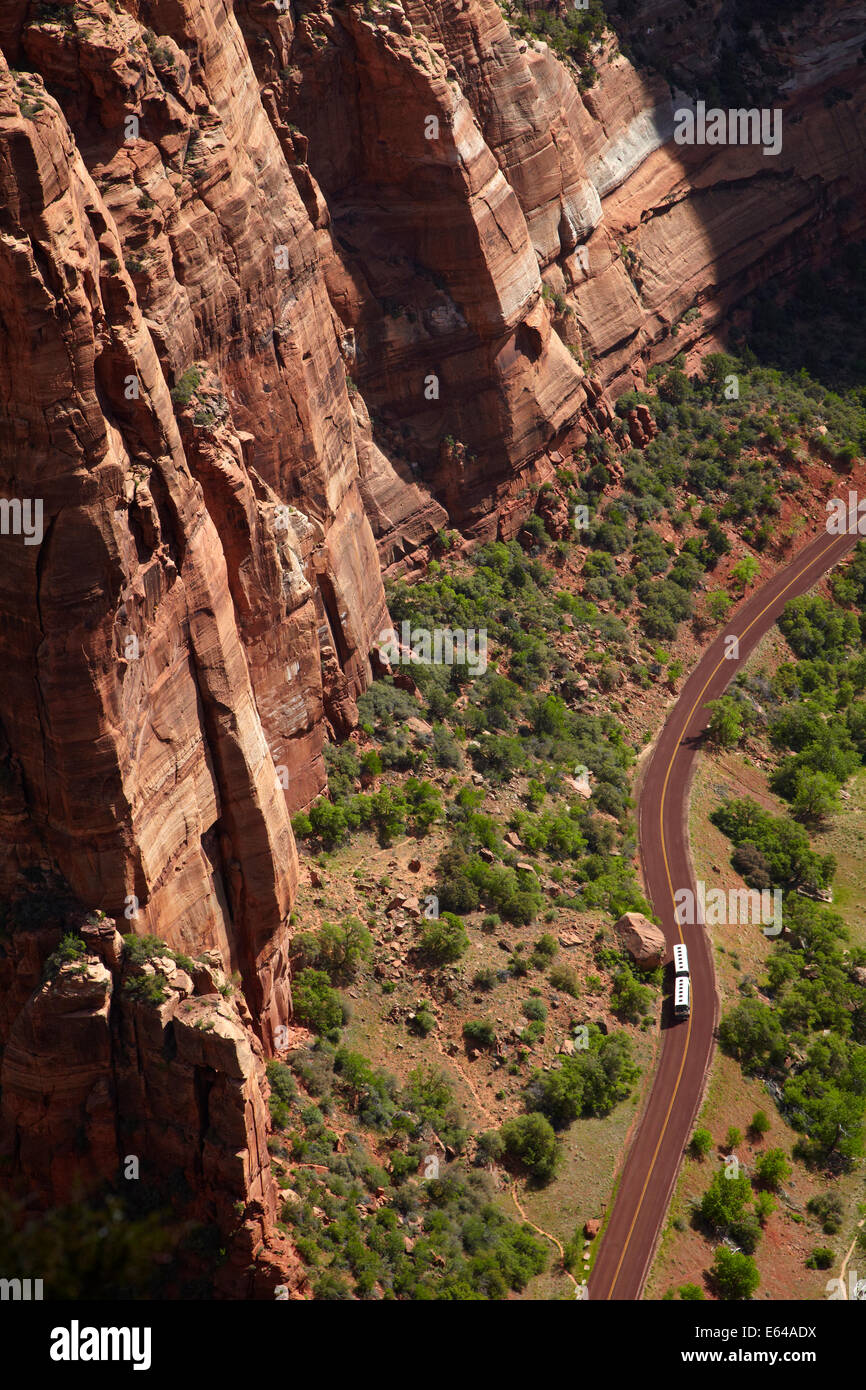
<point x="665" y="1126"/>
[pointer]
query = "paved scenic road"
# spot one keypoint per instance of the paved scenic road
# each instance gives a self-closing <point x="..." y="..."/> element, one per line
<point x="665" y="1127"/>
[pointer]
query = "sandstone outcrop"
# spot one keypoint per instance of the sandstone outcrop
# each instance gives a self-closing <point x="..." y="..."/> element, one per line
<point x="283" y="293"/>
<point x="104" y="1083"/>
<point x="644" y="941"/>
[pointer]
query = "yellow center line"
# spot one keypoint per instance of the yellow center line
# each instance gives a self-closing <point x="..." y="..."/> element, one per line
<point x="677" y="747"/>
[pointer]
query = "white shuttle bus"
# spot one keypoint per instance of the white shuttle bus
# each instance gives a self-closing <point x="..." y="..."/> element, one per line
<point x="681" y="960"/>
<point x="682" y="997"/>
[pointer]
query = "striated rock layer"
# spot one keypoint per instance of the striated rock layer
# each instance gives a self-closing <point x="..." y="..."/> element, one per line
<point x="284" y="290"/>
<point x="169" y="1094"/>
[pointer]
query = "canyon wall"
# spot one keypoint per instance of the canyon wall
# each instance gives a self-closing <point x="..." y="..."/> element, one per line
<point x="285" y="288"/>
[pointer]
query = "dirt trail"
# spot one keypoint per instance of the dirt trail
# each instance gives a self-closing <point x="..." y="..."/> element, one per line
<point x="848" y="1255"/>
<point x="546" y="1234"/>
<point x="452" y="1062"/>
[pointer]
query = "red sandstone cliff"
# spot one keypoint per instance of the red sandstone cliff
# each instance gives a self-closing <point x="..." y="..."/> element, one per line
<point x="275" y="297"/>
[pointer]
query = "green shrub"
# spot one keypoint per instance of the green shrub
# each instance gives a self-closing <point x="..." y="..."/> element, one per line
<point x="724" y="1202"/>
<point x="565" y="977"/>
<point x="589" y="1083"/>
<point x="735" y="1274"/>
<point x="485" y="978"/>
<point x="146" y="989"/>
<point x="751" y="1032"/>
<point x="530" y="1142"/>
<point x="479" y="1032"/>
<point x="423" y="1021"/>
<point x="759" y="1124"/>
<point x="139" y="949"/>
<point x="701" y="1143"/>
<point x="821" y="1258"/>
<point x="317" y="1005"/>
<point x="765" y="1205"/>
<point x="544" y="950"/>
<point x="186" y="386"/>
<point x="340" y="949"/>
<point x="828" y="1207"/>
<point x="444" y="939"/>
<point x="71" y="948"/>
<point x="629" y="998"/>
<point x="772" y="1169"/>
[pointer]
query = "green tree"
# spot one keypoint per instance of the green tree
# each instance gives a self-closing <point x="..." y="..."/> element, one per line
<point x="444" y="939"/>
<point x="328" y="822"/>
<point x="589" y="1083"/>
<point x="726" y="722"/>
<point x="725" y="1199"/>
<point x="428" y="1094"/>
<point x="816" y="627"/>
<point x="773" y="1168"/>
<point x="745" y="571"/>
<point x="530" y="1141"/>
<point x="765" y="1205"/>
<point x="833" y="1119"/>
<point x="675" y="386"/>
<point x="389" y="810"/>
<point x="629" y="998"/>
<point x="751" y="1033"/>
<point x="702" y="1142"/>
<point x="814" y="796"/>
<point x="490" y="1147"/>
<point x="759" y="1124"/>
<point x="343" y="947"/>
<point x="317" y="1005"/>
<point x="718" y="606"/>
<point x="735" y="1275"/>
<point x="821" y="1258"/>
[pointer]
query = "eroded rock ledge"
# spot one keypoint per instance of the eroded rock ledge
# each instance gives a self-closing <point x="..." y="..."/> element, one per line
<point x="282" y="294"/>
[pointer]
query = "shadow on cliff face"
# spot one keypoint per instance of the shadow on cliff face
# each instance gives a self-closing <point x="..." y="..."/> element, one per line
<point x="644" y="246"/>
<point x="700" y="225"/>
<point x="820" y="329"/>
<point x="103" y="1250"/>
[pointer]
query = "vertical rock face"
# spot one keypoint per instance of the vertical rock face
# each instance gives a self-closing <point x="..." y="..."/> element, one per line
<point x="207" y="581"/>
<point x="282" y="294"/>
<point x="102" y="1085"/>
<point x="134" y="741"/>
<point x="440" y="287"/>
<point x="528" y="108"/>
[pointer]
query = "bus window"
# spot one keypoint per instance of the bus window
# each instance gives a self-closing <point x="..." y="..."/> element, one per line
<point x="682" y="997"/>
<point x="681" y="960"/>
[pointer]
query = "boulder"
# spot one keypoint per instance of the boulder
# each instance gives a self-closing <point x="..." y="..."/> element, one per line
<point x="644" y="942"/>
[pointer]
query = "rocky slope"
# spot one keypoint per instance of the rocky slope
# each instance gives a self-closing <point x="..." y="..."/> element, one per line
<point x="283" y="289"/>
